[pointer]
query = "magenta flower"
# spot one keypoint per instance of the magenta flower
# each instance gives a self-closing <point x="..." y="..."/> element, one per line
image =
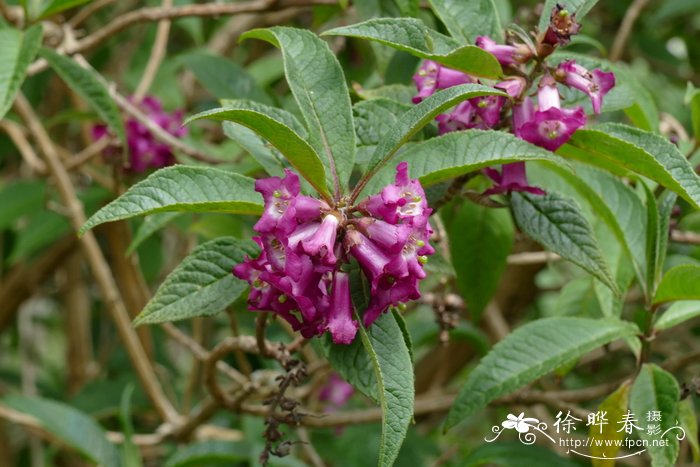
<point x="550" y="126"/>
<point x="305" y="242"/>
<point x="145" y="151"/>
<point x="479" y="112"/>
<point x="507" y="55"/>
<point x="562" y="25"/>
<point x="341" y="324"/>
<point x="336" y="392"/>
<point x="512" y="177"/>
<point x="595" y="83"/>
<point x="432" y="76"/>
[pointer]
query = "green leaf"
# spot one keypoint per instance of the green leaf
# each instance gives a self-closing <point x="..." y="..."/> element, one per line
<point x="202" y="285"/>
<point x="578" y="7"/>
<point x="480" y="240"/>
<point x="273" y="125"/>
<point x="657" y="390"/>
<point x="678" y="313"/>
<point x="621" y="148"/>
<point x="17" y="51"/>
<point x="530" y="352"/>
<point x="408" y="7"/>
<point x="420" y="115"/>
<point x="130" y="452"/>
<point x="679" y="283"/>
<point x="652" y="242"/>
<point x="689" y="422"/>
<point x="373" y="119"/>
<point x="19" y="199"/>
<point x="692" y="100"/>
<point x="391" y="359"/>
<point x="183" y="189"/>
<point x="514" y="454"/>
<point x="412" y="36"/>
<point x="615" y="407"/>
<point x="400" y="93"/>
<point x="616" y="204"/>
<point x="458" y="153"/>
<point x="210" y="452"/>
<point x="318" y="84"/>
<point x="557" y="223"/>
<point x="71" y="426"/>
<point x="86" y="84"/>
<point x="151" y="225"/>
<point x="267" y="156"/>
<point x="225" y="79"/>
<point x="466" y="20"/>
<point x="53" y="7"/>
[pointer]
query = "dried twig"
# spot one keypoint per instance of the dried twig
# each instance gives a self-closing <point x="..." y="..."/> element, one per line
<point x="625" y="30"/>
<point x="160" y="45"/>
<point x="152" y="14"/>
<point x="98" y="264"/>
<point x="16" y="134"/>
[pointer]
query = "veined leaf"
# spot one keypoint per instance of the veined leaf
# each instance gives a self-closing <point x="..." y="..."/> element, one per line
<point x="623" y="149"/>
<point x="73" y="427"/>
<point x="689" y="422"/>
<point x="466" y="20"/>
<point x="391" y="359"/>
<point x="420" y="115"/>
<point x="373" y="119"/>
<point x="202" y="285"/>
<point x="656" y="390"/>
<point x="88" y="86"/>
<point x="271" y="124"/>
<point x="692" y="99"/>
<point x="318" y="84"/>
<point x="52" y="7"/>
<point x="151" y="225"/>
<point x="679" y="283"/>
<point x="530" y="352"/>
<point x="480" y="240"/>
<point x="557" y="224"/>
<point x="412" y="36"/>
<point x="210" y="453"/>
<point x="17" y="50"/>
<point x="408" y="7"/>
<point x="455" y="154"/>
<point x="615" y="407"/>
<point x="267" y="156"/>
<point x="616" y="204"/>
<point x="225" y="79"/>
<point x="182" y="188"/>
<point x="678" y="313"/>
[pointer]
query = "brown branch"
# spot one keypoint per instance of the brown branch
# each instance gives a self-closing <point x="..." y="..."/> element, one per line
<point x="690" y="238"/>
<point x="200" y="353"/>
<point x="160" y="46"/>
<point x="231" y="344"/>
<point x="18" y="285"/>
<point x="625" y="30"/>
<point x="98" y="264"/>
<point x="153" y="14"/>
<point x="16" y="134"/>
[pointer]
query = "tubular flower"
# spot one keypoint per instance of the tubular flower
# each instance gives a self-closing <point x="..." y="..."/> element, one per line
<point x="507" y="55"/>
<point x="432" y="76"/>
<point x="550" y="126"/>
<point x="595" y="83"/>
<point x="512" y="177"/>
<point x="305" y="243"/>
<point x="145" y="151"/>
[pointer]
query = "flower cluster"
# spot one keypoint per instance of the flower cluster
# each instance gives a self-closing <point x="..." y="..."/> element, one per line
<point x="305" y="243"/>
<point x="145" y="151"/>
<point x="545" y="123"/>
